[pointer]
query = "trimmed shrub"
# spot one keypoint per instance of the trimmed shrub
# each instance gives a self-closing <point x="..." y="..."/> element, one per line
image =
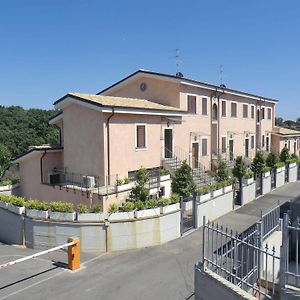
<point x="18" y="201"/>
<point x="139" y="205"/>
<point x="164" y="172"/>
<point x="126" y="180"/>
<point x="113" y="208"/>
<point x="82" y="208"/>
<point x="265" y="169"/>
<point x="163" y="202"/>
<point x="258" y="163"/>
<point x="222" y="171"/>
<point x="140" y="192"/>
<point x="32" y="204"/>
<point x="174" y="198"/>
<point x="284" y="154"/>
<point x="239" y="168"/>
<point x="96" y="208"/>
<point x="119" y="182"/>
<point x="151" y="203"/>
<point x="291" y="161"/>
<point x="249" y="174"/>
<point x="280" y="164"/>
<point x="272" y="159"/>
<point x="128" y="206"/>
<point x="203" y="190"/>
<point x="66" y="207"/>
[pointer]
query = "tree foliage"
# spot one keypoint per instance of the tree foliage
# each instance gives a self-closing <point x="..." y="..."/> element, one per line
<point x="272" y="159"/>
<point x="284" y="154"/>
<point x="240" y="168"/>
<point x="140" y="191"/>
<point x="183" y="183"/>
<point x="5" y="157"/>
<point x="21" y="128"/>
<point x="222" y="171"/>
<point x="258" y="163"/>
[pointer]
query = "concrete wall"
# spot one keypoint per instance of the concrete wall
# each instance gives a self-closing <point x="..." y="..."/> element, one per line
<point x="11" y="227"/>
<point x="214" y="208"/>
<point x="210" y="286"/>
<point x="248" y="193"/>
<point x="293" y="170"/>
<point x="280" y="173"/>
<point x="266" y="183"/>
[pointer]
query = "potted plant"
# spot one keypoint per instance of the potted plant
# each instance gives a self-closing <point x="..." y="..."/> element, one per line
<point x="216" y="188"/>
<point x="168" y="205"/>
<point x="4" y="200"/>
<point x="227" y="185"/>
<point x="123" y="185"/>
<point x="62" y="211"/>
<point x="37" y="209"/>
<point x="204" y="193"/>
<point x="84" y="215"/>
<point x="16" y="205"/>
<point x="266" y="171"/>
<point x="151" y="209"/>
<point x="280" y="166"/>
<point x="8" y="184"/>
<point x="164" y="174"/>
<point x="126" y="213"/>
<point x="248" y="177"/>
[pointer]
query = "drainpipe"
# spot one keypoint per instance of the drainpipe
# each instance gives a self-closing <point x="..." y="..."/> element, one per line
<point x="211" y="121"/>
<point x="218" y="135"/>
<point x="108" y="144"/>
<point x="41" y="165"/>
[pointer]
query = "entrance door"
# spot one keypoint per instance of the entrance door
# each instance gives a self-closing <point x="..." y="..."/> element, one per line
<point x="231" y="155"/>
<point x="168" y="143"/>
<point x="246" y="147"/>
<point x="195" y="155"/>
<point x="267" y="144"/>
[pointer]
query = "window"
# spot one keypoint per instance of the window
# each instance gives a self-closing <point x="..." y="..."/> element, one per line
<point x="252" y="111"/>
<point x="140" y="136"/>
<point x="245" y="110"/>
<point x="204" y="146"/>
<point x="269" y="113"/>
<point x="223" y="144"/>
<point x="252" y="141"/>
<point x="215" y="112"/>
<point x="262" y="113"/>
<point x="233" y="109"/>
<point x="263" y="141"/>
<point x="191" y="104"/>
<point x="204" y="106"/>
<point x="224" y="113"/>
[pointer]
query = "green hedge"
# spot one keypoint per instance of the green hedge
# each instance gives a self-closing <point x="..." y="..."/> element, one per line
<point x="213" y="186"/>
<point x="280" y="164"/>
<point x="8" y="182"/>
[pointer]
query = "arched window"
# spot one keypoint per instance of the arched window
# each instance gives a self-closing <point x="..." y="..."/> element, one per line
<point x="257" y="116"/>
<point x="215" y="112"/>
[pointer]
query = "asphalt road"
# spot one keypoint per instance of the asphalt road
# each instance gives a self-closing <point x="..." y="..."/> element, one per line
<point x="164" y="272"/>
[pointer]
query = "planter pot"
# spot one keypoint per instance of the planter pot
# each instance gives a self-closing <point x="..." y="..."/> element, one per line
<point x="165" y="177"/>
<point x="204" y="197"/>
<point x="248" y="180"/>
<point x="292" y="165"/>
<point x="90" y="217"/>
<point x="124" y="187"/>
<point x="8" y="187"/>
<point x="3" y="204"/>
<point x="227" y="188"/>
<point x="267" y="174"/>
<point x="61" y="216"/>
<point x="35" y="213"/>
<point x="16" y="209"/>
<point x="169" y="208"/>
<point x="121" y="216"/>
<point x="187" y="205"/>
<point x="278" y="170"/>
<point x="217" y="193"/>
<point x="146" y="213"/>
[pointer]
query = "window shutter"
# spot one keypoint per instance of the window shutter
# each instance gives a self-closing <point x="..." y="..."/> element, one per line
<point x="141" y="136"/>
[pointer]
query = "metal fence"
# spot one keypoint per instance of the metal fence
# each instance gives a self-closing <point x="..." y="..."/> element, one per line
<point x="290" y="253"/>
<point x="240" y="258"/>
<point x="270" y="221"/>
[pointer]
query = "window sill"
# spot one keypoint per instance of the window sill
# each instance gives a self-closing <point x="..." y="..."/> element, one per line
<point x="141" y="149"/>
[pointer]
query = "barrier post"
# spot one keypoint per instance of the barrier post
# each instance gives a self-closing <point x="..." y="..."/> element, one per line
<point x="74" y="254"/>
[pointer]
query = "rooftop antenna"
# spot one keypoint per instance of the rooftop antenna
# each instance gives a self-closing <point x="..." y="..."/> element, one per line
<point x="221" y="77"/>
<point x="178" y="62"/>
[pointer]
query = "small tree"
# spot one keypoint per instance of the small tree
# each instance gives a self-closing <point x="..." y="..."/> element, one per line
<point x="284" y="154"/>
<point x="240" y="168"/>
<point x="258" y="163"/>
<point x="272" y="159"/>
<point x="222" y="171"/>
<point x="140" y="192"/>
<point x="5" y="158"/>
<point x="183" y="183"/>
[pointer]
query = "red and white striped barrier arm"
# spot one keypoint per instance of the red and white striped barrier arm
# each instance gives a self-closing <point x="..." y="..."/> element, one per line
<point x="35" y="255"/>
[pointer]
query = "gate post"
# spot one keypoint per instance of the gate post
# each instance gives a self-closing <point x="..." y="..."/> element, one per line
<point x="181" y="215"/>
<point x="195" y="210"/>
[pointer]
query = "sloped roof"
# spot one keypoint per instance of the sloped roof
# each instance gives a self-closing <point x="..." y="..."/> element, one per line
<point x="121" y="102"/>
<point x="285" y="131"/>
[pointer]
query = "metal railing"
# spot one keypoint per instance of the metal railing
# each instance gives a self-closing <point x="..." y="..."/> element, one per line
<point x="270" y="221"/>
<point x="240" y="259"/>
<point x="289" y="268"/>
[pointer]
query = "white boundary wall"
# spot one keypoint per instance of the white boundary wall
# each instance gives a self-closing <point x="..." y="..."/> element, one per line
<point x="293" y="172"/>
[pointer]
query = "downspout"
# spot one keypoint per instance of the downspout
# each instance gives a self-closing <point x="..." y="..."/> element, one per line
<point x="211" y="120"/>
<point x="218" y="142"/>
<point x="41" y="166"/>
<point x="108" y="144"/>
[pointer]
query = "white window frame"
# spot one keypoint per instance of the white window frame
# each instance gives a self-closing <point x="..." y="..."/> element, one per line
<point x="254" y="115"/>
<point x="206" y="115"/>
<point x="236" y="109"/>
<point x="269" y="108"/>
<point x="224" y="136"/>
<point x="187" y="101"/>
<point x="222" y="108"/>
<point x="146" y="140"/>
<point x="247" y="111"/>
<point x="204" y="138"/>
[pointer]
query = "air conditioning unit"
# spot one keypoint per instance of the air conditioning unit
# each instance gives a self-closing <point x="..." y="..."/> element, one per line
<point x="89" y="181"/>
<point x="54" y="178"/>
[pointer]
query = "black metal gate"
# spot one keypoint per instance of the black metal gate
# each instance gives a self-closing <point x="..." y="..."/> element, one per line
<point x="188" y="207"/>
<point x="258" y="185"/>
<point x="273" y="178"/>
<point x="286" y="174"/>
<point x="237" y="193"/>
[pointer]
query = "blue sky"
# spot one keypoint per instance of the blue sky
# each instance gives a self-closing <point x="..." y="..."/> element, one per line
<point x="51" y="47"/>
